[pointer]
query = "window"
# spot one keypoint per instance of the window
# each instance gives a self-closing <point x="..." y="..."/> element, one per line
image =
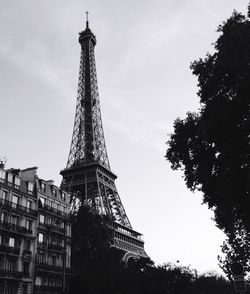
<point x="53" y="239"/>
<point x="10" y="178"/>
<point x="26" y="267"/>
<point x="38" y="281"/>
<point x="43" y="186"/>
<point x="3" y="215"/>
<point x="41" y="257"/>
<point x="29" y="204"/>
<point x="41" y="218"/>
<point x="14" y="220"/>
<point x="53" y="260"/>
<point x="42" y="201"/>
<point x="68" y="229"/>
<point x="11" y="242"/>
<point x="54" y="192"/>
<point x="4" y="195"/>
<point x="17" y="182"/>
<point x="27" y="244"/>
<point x="10" y="265"/>
<point x="29" y="224"/>
<point x="63" y="196"/>
<point x="14" y="201"/>
<point x="40" y="238"/>
<point x="49" y="220"/>
<point x="30" y="187"/>
<point x="2" y="175"/>
<point x="49" y="203"/>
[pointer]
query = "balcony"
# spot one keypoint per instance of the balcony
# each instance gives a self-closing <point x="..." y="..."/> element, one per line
<point x="47" y="289"/>
<point x="4" y="273"/>
<point x="51" y="246"/>
<point x="45" y="267"/>
<point x="57" y="229"/>
<point x="53" y="228"/>
<point x="55" y="247"/>
<point x="53" y="210"/>
<point x="17" y="207"/>
<point x="49" y="268"/>
<point x="15" y="228"/>
<point x="10" y="250"/>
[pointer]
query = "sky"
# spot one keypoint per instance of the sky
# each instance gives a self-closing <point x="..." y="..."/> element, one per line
<point x="143" y="54"/>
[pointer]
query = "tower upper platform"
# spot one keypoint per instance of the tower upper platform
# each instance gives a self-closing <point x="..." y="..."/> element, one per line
<point x="87" y="35"/>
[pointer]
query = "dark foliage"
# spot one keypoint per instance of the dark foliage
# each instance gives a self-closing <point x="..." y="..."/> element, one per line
<point x="212" y="146"/>
<point x="98" y="268"/>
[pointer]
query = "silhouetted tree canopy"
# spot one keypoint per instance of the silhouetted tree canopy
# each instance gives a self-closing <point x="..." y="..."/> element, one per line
<point x="96" y="264"/>
<point x="212" y="145"/>
<point x="98" y="267"/>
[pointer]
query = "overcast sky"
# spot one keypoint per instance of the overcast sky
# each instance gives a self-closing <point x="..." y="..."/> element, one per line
<point x="143" y="53"/>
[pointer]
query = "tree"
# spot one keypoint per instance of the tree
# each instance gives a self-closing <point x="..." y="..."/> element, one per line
<point x="96" y="264"/>
<point x="212" y="145"/>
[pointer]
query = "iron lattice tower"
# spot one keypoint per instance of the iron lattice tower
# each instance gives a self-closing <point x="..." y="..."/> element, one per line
<point x="88" y="175"/>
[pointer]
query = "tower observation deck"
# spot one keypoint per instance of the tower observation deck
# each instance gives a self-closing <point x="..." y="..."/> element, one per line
<point x="88" y="175"/>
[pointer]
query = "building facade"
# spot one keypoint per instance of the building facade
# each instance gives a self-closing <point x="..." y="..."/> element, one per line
<point x="34" y="234"/>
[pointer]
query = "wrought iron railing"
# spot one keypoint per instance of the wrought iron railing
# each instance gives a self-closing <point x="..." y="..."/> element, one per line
<point x="56" y="211"/>
<point x="5" y="225"/>
<point x="47" y="289"/>
<point x="17" y="207"/>
<point x="53" y="228"/>
<point x="44" y="266"/>
<point x="55" y="247"/>
<point x="48" y="267"/>
<point x="10" y="250"/>
<point x="4" y="273"/>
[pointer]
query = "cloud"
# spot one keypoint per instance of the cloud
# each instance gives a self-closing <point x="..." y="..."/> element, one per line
<point x="33" y="58"/>
<point x="141" y="130"/>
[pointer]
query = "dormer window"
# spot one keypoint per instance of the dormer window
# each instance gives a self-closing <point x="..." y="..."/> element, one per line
<point x="10" y="178"/>
<point x="54" y="191"/>
<point x="30" y="187"/>
<point x="63" y="196"/>
<point x="17" y="182"/>
<point x="2" y="175"/>
<point x="43" y="187"/>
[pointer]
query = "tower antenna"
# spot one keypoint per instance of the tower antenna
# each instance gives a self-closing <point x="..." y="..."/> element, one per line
<point x="87" y="19"/>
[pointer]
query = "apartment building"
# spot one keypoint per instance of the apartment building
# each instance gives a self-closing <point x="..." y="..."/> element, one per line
<point x="34" y="234"/>
<point x="54" y="238"/>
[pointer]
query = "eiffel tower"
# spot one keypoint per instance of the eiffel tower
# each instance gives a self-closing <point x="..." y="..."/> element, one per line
<point x="88" y="175"/>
